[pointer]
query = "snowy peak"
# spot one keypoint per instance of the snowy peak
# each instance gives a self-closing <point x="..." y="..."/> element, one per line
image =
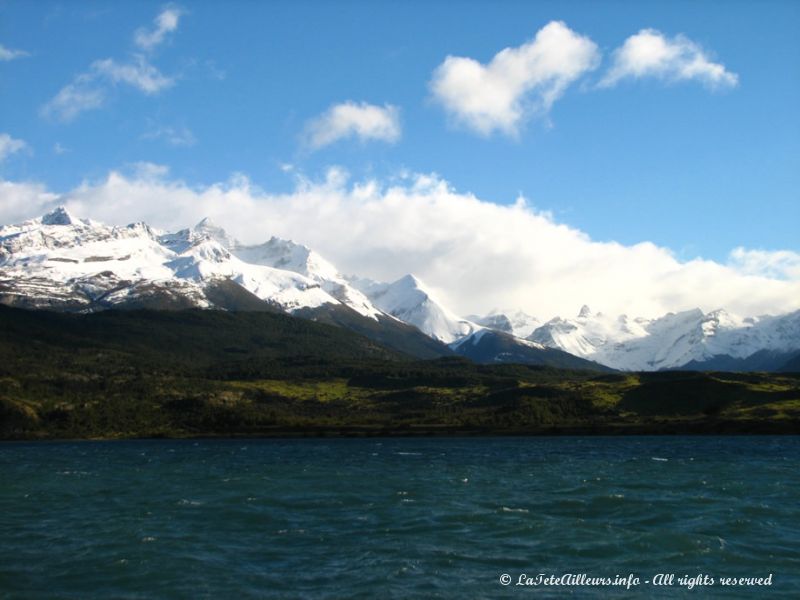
<point x="290" y="256"/>
<point x="408" y="300"/>
<point x="206" y="224"/>
<point x="207" y="228"/>
<point x="183" y="240"/>
<point x="411" y="281"/>
<point x="580" y="336"/>
<point x="516" y="322"/>
<point x="60" y="216"/>
<point x="719" y="321"/>
<point x="58" y="233"/>
<point x="585" y="312"/>
<point x="495" y="321"/>
<point x="406" y="293"/>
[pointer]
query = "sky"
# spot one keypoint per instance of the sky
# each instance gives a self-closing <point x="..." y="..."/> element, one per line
<point x="641" y="157"/>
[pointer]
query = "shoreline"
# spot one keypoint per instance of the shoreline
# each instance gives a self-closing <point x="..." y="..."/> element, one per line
<point x="701" y="428"/>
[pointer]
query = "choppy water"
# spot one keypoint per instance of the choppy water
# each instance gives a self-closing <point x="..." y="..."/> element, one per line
<point x="397" y="518"/>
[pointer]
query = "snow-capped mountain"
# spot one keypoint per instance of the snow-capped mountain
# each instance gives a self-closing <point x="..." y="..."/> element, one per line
<point x="287" y="255"/>
<point x="585" y="334"/>
<point x="490" y="346"/>
<point x="672" y="341"/>
<point x="410" y="301"/>
<point x="61" y="261"/>
<point x="516" y="322"/>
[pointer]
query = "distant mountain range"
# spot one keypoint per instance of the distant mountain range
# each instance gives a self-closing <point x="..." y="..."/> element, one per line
<point x="691" y="339"/>
<point x="61" y="262"/>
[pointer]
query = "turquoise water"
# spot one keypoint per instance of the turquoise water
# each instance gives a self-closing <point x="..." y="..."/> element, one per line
<point x="397" y="518"/>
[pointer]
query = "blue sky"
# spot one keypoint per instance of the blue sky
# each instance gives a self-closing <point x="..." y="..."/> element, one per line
<point x="695" y="165"/>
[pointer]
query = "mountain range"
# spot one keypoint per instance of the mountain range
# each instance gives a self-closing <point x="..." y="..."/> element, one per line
<point x="690" y="339"/>
<point x="64" y="263"/>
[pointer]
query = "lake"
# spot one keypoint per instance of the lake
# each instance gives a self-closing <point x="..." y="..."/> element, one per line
<point x="586" y="517"/>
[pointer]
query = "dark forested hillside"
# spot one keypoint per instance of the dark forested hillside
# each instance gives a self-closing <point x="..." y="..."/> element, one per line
<point x="189" y="339"/>
<point x="195" y="372"/>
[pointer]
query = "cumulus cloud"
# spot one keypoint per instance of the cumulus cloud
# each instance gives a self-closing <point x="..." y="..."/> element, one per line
<point x="650" y="53"/>
<point x="20" y="201"/>
<point x="777" y="264"/>
<point x="7" y="54"/>
<point x="363" y="121"/>
<point x="516" y="83"/>
<point x="89" y="90"/>
<point x="166" y="22"/>
<point x="476" y="254"/>
<point x="9" y="146"/>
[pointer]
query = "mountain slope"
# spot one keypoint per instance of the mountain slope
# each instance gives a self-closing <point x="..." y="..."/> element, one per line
<point x="289" y="256"/>
<point x="763" y="360"/>
<point x="588" y="334"/>
<point x="383" y="329"/>
<point x="491" y="347"/>
<point x="792" y="365"/>
<point x="197" y="340"/>
<point x="410" y="301"/>
<point x="516" y="322"/>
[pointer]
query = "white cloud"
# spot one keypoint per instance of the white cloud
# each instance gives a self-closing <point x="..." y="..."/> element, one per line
<point x="145" y="171"/>
<point x="351" y="119"/>
<point x="476" y="254"/>
<point x="516" y="83"/>
<point x="174" y="136"/>
<point x="20" y="201"/>
<point x="138" y="73"/>
<point x="89" y="90"/>
<point x="650" y="53"/>
<point x="9" y="146"/>
<point x="777" y="264"/>
<point x="7" y="54"/>
<point x="166" y="22"/>
<point x="74" y="98"/>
